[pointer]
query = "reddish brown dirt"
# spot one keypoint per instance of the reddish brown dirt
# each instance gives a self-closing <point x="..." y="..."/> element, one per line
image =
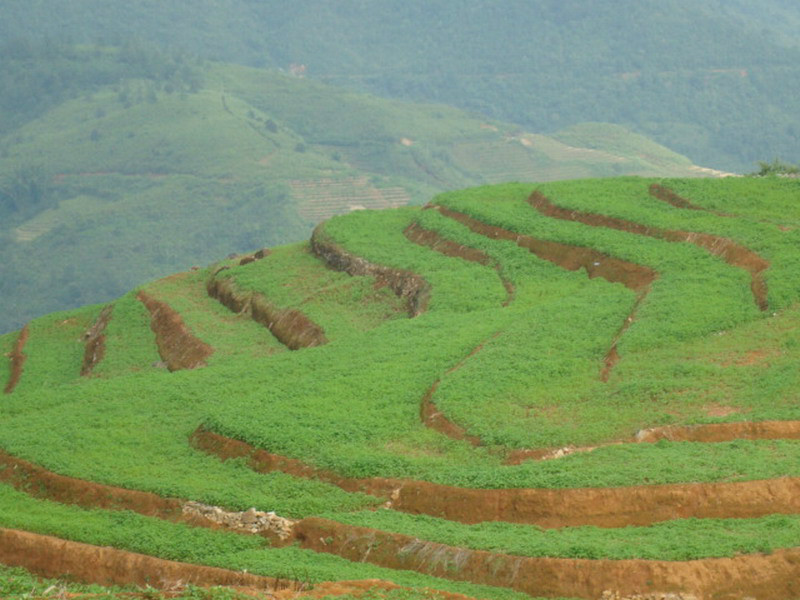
<point x="41" y="483"/>
<point x="289" y="326"/>
<point x="734" y="254"/>
<point x="667" y="195"/>
<point x="603" y="507"/>
<point x="53" y="557"/>
<point x="775" y="576"/>
<point x="17" y="360"/>
<point x="410" y="287"/>
<point x="431" y="417"/>
<point x="636" y="277"/>
<point x="95" y="341"/>
<point x="178" y="348"/>
<point x="425" y="237"/>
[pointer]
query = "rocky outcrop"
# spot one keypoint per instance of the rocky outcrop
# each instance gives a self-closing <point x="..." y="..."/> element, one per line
<point x="408" y="286"/>
<point x="250" y="521"/>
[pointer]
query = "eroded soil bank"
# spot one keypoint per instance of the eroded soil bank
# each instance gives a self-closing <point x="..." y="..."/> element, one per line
<point x="431" y="239"/>
<point x="41" y="483"/>
<point x="53" y="557"/>
<point x="667" y="195"/>
<point x="408" y="286"/>
<point x="635" y="277"/>
<point x="549" y="508"/>
<point x="95" y="341"/>
<point x="734" y="254"/>
<point x="290" y="326"/>
<point x="17" y="360"/>
<point x="771" y="577"/>
<point x="177" y="346"/>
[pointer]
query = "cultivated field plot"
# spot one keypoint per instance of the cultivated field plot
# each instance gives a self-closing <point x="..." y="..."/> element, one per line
<point x="584" y="389"/>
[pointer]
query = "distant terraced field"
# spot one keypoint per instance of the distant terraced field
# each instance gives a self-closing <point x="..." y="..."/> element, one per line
<point x="583" y="389"/>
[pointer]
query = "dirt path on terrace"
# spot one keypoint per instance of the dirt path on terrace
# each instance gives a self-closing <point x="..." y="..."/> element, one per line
<point x="549" y="508"/>
<point x="17" y="360"/>
<point x="734" y="254"/>
<point x="95" y="341"/>
<point x="772" y="577"/>
<point x="178" y="348"/>
<point x="408" y="286"/>
<point x="290" y="327"/>
<point x="635" y="277"/>
<point x="53" y="557"/>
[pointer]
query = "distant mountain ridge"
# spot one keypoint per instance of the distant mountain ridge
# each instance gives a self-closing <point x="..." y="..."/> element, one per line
<point x="713" y="80"/>
<point x="134" y="163"/>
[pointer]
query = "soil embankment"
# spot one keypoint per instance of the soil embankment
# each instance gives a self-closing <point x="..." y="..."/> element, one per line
<point x="290" y="326"/>
<point x="431" y="239"/>
<point x="734" y="254"/>
<point x="177" y="346"/>
<point x="95" y="341"/>
<point x="705" y="433"/>
<point x="549" y="508"/>
<point x="41" y="483"/>
<point x="53" y="557"/>
<point x="773" y="576"/>
<point x="408" y="286"/>
<point x="667" y="195"/>
<point x="17" y="360"/>
<point x="633" y="276"/>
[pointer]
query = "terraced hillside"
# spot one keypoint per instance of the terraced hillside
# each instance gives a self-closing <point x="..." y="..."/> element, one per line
<point x="583" y="389"/>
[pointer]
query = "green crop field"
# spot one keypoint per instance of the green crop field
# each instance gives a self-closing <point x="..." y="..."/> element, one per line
<point x="576" y="370"/>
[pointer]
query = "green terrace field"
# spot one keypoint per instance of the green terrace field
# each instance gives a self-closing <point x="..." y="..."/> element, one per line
<point x="133" y="164"/>
<point x="563" y="389"/>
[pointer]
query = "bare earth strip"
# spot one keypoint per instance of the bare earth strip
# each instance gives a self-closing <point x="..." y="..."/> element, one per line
<point x="549" y="508"/>
<point x="95" y="341"/>
<point x="178" y="348"/>
<point x="734" y="254"/>
<point x="17" y="360"/>
<point x="633" y="276"/>
<point x="291" y="327"/>
<point x="53" y="557"/>
<point x="775" y="576"/>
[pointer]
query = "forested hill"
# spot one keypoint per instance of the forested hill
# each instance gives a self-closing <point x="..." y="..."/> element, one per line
<point x="714" y="80"/>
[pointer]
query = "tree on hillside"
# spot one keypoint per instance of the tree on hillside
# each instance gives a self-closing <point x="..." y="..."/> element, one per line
<point x="776" y="167"/>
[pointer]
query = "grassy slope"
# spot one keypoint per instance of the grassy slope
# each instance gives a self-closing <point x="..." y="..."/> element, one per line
<point x="534" y="384"/>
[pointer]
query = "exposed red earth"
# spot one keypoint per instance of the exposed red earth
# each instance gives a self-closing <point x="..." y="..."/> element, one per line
<point x="771" y="576"/>
<point x="667" y="195"/>
<point x="177" y="346"/>
<point x="412" y="288"/>
<point x="425" y="237"/>
<point x="436" y="420"/>
<point x="748" y="576"/>
<point x="17" y="360"/>
<point x="95" y="341"/>
<point x="289" y="326"/>
<point x="53" y="557"/>
<point x="635" y="277"/>
<point x="549" y="508"/>
<point x="734" y="254"/>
